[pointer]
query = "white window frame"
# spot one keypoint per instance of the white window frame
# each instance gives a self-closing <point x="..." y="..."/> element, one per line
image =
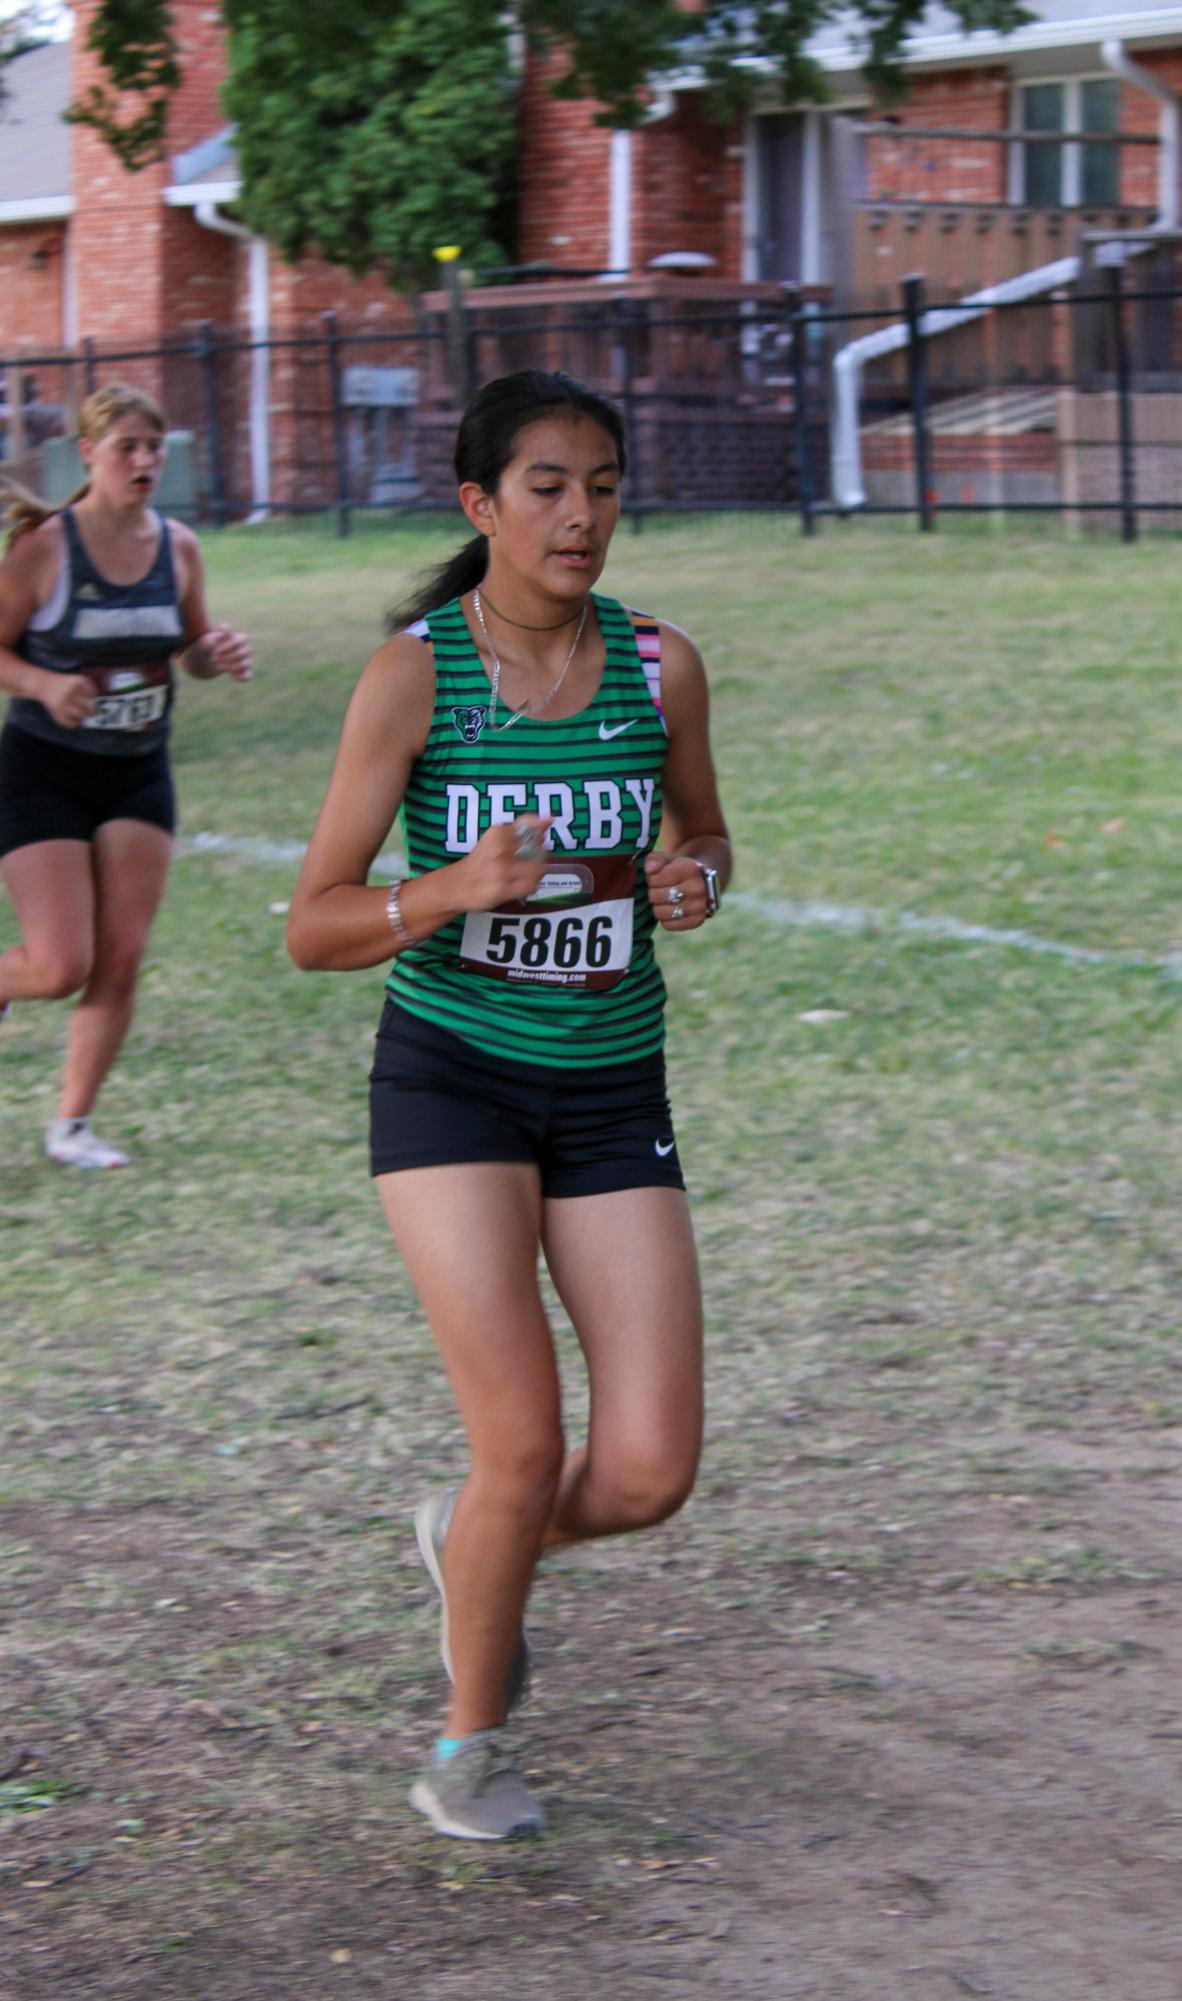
<point x="1071" y="173"/>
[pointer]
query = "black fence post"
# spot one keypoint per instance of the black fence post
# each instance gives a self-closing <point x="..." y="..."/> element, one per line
<point x="89" y="371"/>
<point x="471" y="352"/>
<point x="332" y="335"/>
<point x="1124" y="404"/>
<point x="917" y="385"/>
<point x="624" y="319"/>
<point x="205" y="348"/>
<point x="798" y="323"/>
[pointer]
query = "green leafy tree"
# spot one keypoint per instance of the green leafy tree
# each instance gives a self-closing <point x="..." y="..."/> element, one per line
<point x="374" y="130"/>
<point x="373" y="134"/>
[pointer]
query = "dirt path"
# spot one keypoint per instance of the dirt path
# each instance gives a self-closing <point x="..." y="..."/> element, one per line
<point x="770" y="1784"/>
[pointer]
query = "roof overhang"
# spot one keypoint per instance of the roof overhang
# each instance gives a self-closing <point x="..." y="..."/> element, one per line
<point x="37" y="208"/>
<point x="945" y="48"/>
<point x="985" y="45"/>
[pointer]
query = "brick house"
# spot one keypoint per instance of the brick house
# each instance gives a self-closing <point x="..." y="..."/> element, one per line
<point x="91" y="254"/>
<point x="811" y="196"/>
<point x="1004" y="156"/>
<point x="1009" y="166"/>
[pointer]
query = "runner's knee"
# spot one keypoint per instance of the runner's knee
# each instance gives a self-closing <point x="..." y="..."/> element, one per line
<point x="59" y="971"/>
<point x="645" y="1490"/>
<point x="521" y="1471"/>
<point x="116" y="969"/>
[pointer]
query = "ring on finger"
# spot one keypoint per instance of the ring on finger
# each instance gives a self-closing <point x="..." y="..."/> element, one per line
<point x="528" y="846"/>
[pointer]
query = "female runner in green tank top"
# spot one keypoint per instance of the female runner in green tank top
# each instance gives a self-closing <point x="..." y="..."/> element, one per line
<point x="540" y="741"/>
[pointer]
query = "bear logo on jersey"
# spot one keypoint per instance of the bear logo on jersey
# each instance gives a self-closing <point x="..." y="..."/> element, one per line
<point x="470" y="723"/>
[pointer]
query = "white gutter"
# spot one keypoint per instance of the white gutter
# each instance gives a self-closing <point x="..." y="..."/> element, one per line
<point x="193" y="194"/>
<point x="840" y="53"/>
<point x="848" y="362"/>
<point x="1078" y="31"/>
<point x="209" y="216"/>
<point x="37" y="208"/>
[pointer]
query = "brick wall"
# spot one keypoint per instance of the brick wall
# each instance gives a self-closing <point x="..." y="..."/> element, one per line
<point x="563" y="177"/>
<point x="117" y="228"/>
<point x="951" y="170"/>
<point x="301" y="293"/>
<point x="687" y="183"/>
<point x="196" y="111"/>
<point x="31" y="286"/>
<point x="681" y="180"/>
<point x="1140" y="113"/>
<point x="957" y="171"/>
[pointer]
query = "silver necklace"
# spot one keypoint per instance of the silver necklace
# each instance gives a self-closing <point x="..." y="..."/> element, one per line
<point x="515" y="715"/>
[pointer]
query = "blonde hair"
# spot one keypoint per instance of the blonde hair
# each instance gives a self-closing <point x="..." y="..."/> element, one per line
<point x="105" y="408"/>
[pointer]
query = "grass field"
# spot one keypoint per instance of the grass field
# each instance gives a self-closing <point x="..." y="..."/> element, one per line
<point x="891" y="1711"/>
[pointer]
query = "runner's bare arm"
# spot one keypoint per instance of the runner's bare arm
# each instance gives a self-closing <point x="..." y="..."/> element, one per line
<point x="337" y="922"/>
<point x="693" y="828"/>
<point x="207" y="649"/>
<point x="27" y="577"/>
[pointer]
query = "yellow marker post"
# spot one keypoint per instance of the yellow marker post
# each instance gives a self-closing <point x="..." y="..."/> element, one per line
<point x="449" y="254"/>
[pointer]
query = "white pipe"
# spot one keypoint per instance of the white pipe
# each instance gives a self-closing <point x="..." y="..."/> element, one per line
<point x="1115" y="57"/>
<point x="69" y="290"/>
<point x="619" y="250"/>
<point x="845" y="453"/>
<point x="810" y="190"/>
<point x="846" y="446"/>
<point x="211" y="217"/>
<point x="750" y="201"/>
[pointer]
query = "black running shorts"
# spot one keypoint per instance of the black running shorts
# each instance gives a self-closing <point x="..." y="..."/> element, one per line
<point x="436" y="1100"/>
<point x="50" y="792"/>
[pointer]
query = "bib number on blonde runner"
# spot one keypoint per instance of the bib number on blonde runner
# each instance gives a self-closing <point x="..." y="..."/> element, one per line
<point x="575" y="931"/>
<point x="135" y="711"/>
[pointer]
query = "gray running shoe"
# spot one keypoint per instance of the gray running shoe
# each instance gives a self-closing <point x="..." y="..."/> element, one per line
<point x="478" y="1794"/>
<point x="432" y="1520"/>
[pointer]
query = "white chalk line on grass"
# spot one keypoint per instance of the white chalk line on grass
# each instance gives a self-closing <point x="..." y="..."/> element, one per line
<point x="811" y="916"/>
<point x="805" y="915"/>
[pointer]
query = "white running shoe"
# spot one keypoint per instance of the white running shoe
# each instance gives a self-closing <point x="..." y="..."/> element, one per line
<point x="478" y="1794"/>
<point x="72" y="1142"/>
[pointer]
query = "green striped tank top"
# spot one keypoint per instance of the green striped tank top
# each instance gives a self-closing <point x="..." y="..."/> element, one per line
<point x="570" y="978"/>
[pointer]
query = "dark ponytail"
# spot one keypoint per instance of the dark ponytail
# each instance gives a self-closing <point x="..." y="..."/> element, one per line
<point x="485" y="443"/>
<point x="461" y="572"/>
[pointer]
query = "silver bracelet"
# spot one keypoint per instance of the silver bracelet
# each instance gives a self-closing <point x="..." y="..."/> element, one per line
<point x="395" y="918"/>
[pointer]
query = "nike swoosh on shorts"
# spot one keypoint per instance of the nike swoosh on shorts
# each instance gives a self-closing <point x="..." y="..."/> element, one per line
<point x="663" y="1150"/>
<point x="618" y="730"/>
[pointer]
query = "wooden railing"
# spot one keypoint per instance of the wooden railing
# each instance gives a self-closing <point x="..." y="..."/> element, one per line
<point x="964" y="247"/>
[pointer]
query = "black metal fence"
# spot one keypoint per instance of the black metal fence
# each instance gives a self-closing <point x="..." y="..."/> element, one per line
<point x="1064" y="402"/>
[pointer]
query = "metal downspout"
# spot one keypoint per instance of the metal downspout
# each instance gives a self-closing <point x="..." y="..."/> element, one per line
<point x="1116" y="58"/>
<point x="210" y="217"/>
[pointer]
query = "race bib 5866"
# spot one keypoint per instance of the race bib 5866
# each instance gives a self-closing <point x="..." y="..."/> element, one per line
<point x="574" y="931"/>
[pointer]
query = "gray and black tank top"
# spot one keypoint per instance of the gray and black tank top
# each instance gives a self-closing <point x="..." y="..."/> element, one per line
<point x="121" y="636"/>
